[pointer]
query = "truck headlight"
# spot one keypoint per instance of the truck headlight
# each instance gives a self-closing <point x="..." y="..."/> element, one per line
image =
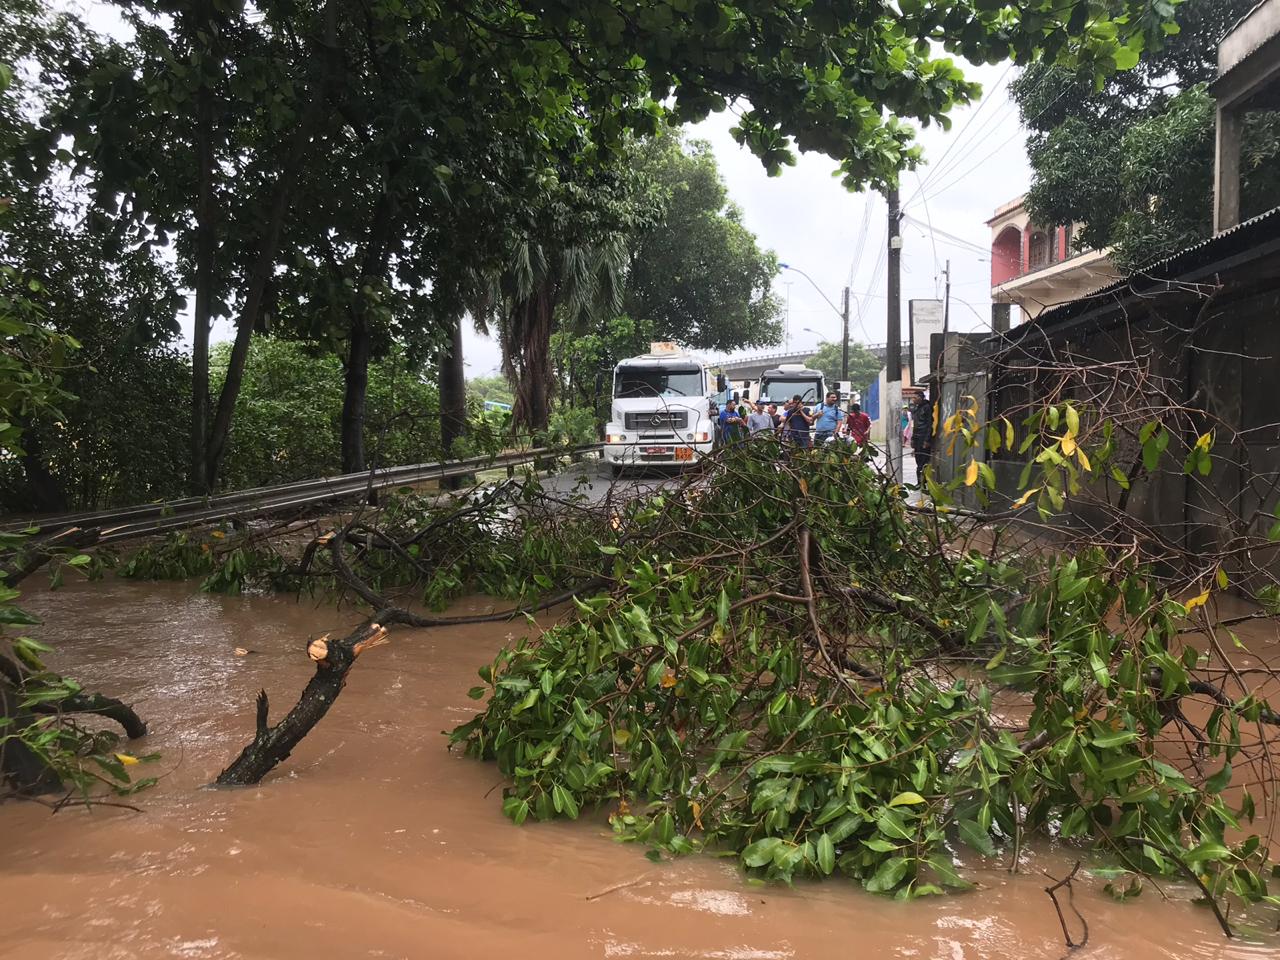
<point x="689" y="437"/>
<point x="616" y="438"/>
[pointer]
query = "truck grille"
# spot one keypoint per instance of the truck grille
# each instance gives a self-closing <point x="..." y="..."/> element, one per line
<point x="657" y="420"/>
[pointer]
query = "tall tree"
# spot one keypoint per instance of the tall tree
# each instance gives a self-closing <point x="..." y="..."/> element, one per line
<point x="698" y="275"/>
<point x="1133" y="161"/>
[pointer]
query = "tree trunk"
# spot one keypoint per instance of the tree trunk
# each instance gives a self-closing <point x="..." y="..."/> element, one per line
<point x="534" y="379"/>
<point x="204" y="291"/>
<point x="353" y="400"/>
<point x="250" y="316"/>
<point x="453" y="397"/>
<point x="46" y="491"/>
<point x="373" y="270"/>
<point x="20" y="767"/>
<point x="205" y="251"/>
<point x="264" y="265"/>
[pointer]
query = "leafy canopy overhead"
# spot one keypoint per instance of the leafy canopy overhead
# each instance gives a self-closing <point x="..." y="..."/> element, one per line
<point x="1101" y="155"/>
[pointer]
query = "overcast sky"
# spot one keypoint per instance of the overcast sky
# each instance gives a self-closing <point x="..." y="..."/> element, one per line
<point x="814" y="224"/>
<point x="817" y="226"/>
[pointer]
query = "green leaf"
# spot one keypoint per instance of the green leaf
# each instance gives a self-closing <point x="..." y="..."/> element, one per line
<point x="906" y="799"/>
<point x="888" y="876"/>
<point x="761" y="852"/>
<point x="977" y="838"/>
<point x="1218" y="782"/>
<point x="826" y="851"/>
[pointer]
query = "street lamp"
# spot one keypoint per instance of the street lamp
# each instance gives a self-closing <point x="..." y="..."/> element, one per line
<point x="844" y="318"/>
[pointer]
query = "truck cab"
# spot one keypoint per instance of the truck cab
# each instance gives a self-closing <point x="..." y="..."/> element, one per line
<point x="782" y="383"/>
<point x="662" y="410"/>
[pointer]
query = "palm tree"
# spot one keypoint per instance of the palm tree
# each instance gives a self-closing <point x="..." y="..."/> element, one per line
<point x="542" y="285"/>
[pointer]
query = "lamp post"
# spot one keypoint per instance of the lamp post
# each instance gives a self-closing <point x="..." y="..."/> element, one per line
<point x="844" y="318"/>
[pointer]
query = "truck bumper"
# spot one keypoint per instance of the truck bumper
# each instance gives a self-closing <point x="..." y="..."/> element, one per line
<point x="667" y="453"/>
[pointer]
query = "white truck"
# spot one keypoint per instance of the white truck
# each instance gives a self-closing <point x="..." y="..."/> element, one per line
<point x="662" y="411"/>
<point x="783" y="382"/>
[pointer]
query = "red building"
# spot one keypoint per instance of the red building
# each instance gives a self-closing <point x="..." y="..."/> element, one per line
<point x="1036" y="268"/>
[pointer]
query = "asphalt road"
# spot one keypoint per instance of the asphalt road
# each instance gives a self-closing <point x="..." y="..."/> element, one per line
<point x="593" y="479"/>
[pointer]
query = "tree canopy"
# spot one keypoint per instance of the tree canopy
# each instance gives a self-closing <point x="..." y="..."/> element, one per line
<point x="863" y="365"/>
<point x="698" y="275"/>
<point x="1105" y="157"/>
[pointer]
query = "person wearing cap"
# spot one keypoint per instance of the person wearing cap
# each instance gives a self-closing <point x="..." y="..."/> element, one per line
<point x="759" y="420"/>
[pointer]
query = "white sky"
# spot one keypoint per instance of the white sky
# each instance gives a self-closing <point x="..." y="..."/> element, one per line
<point x="815" y="225"/>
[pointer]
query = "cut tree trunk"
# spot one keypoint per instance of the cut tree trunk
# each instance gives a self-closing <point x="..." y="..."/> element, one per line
<point x="271" y="745"/>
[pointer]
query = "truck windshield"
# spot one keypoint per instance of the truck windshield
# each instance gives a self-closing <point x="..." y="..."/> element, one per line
<point x="780" y="390"/>
<point x="658" y="382"/>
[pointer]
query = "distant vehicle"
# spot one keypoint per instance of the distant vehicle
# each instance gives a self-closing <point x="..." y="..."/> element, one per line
<point x="496" y="406"/>
<point x="662" y="411"/>
<point x="782" y="383"/>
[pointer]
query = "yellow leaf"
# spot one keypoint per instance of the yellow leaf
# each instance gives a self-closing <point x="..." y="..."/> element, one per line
<point x="217" y="534"/>
<point x="1008" y="433"/>
<point x="697" y="813"/>
<point x="668" y="680"/>
<point x="127" y="760"/>
<point x="804" y="486"/>
<point x="1023" y="500"/>
<point x="1199" y="601"/>
<point x="1084" y="460"/>
<point x="971" y="473"/>
<point x="1223" y="582"/>
<point x="1205" y="441"/>
<point x="620" y="737"/>
<point x="1068" y="444"/>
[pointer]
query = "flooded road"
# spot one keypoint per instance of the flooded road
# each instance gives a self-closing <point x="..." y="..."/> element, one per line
<point x="374" y="841"/>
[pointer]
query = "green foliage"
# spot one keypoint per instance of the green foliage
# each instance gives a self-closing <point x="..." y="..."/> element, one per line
<point x="489" y="388"/>
<point x="52" y="712"/>
<point x="710" y="706"/>
<point x="289" y="412"/>
<point x="863" y="365"/>
<point x="570" y="427"/>
<point x="1101" y="154"/>
<point x="227" y="565"/>
<point x="698" y="276"/>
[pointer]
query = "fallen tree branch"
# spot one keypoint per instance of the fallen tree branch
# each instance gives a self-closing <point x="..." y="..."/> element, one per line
<point x="272" y="745"/>
<point x="1052" y="891"/>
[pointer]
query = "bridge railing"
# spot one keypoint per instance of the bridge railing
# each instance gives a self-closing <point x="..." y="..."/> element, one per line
<point x="163" y="516"/>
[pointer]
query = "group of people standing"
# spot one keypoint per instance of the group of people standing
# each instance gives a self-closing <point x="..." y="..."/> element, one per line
<point x="796" y="423"/>
<point x="806" y="427"/>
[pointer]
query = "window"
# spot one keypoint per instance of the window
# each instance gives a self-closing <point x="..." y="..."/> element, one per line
<point x="1039" y="250"/>
<point x="658" y="382"/>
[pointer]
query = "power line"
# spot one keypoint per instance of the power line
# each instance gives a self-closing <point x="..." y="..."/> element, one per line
<point x="936" y="170"/>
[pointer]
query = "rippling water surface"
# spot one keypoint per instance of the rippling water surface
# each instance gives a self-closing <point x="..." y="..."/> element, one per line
<point x="374" y="841"/>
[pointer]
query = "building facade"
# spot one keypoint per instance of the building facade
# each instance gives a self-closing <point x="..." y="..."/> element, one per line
<point x="1035" y="268"/>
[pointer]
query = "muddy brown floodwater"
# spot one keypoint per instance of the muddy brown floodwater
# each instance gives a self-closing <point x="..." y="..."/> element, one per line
<point x="374" y="841"/>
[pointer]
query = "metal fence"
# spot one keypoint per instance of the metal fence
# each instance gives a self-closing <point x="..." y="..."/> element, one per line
<point x="145" y="519"/>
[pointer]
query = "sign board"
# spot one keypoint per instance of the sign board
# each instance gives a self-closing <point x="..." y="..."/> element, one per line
<point x="926" y="320"/>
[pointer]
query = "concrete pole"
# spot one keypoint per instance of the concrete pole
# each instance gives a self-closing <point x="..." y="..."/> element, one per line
<point x="844" y="341"/>
<point x="1226" y="194"/>
<point x="893" y="349"/>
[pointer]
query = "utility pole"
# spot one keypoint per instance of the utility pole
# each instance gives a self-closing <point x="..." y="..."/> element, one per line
<point x="844" y="342"/>
<point x="893" y="349"/>
<point x="946" y="306"/>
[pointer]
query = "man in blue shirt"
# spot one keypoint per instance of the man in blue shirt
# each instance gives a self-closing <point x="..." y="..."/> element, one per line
<point x="826" y="418"/>
<point x="731" y="422"/>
